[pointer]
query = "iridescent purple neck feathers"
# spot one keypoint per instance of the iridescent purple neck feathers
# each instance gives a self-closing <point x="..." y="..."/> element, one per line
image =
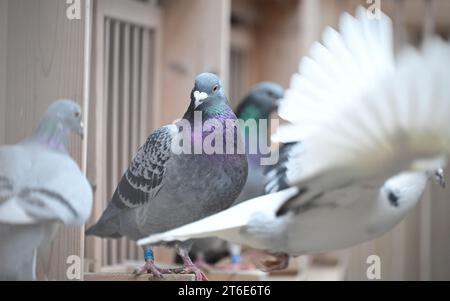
<point x="53" y="134"/>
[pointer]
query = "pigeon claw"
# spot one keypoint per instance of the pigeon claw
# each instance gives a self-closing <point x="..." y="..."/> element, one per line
<point x="150" y="268"/>
<point x="192" y="269"/>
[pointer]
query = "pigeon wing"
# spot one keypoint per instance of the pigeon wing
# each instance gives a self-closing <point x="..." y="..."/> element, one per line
<point x="144" y="177"/>
<point x="359" y="113"/>
<point x="38" y="185"/>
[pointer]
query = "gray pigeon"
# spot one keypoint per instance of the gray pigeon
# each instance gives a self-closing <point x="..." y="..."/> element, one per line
<point x="40" y="187"/>
<point x="164" y="189"/>
<point x="257" y="105"/>
<point x="369" y="129"/>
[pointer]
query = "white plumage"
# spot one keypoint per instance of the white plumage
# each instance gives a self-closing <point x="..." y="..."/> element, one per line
<point x="40" y="186"/>
<point x="373" y="129"/>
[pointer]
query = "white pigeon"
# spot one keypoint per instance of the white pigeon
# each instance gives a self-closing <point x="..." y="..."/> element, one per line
<point x="40" y="187"/>
<point x="367" y="130"/>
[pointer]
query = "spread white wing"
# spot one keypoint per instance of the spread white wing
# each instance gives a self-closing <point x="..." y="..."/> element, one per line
<point x="360" y="113"/>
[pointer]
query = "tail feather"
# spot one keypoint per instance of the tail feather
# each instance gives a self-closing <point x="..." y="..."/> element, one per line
<point x="108" y="225"/>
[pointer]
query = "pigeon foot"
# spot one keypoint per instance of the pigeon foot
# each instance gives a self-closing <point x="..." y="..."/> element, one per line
<point x="192" y="269"/>
<point x="150" y="268"/>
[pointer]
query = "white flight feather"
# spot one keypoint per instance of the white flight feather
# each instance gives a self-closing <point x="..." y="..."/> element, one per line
<point x="355" y="108"/>
<point x="227" y="224"/>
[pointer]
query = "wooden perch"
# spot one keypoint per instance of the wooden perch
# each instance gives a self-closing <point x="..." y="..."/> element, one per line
<point x="131" y="277"/>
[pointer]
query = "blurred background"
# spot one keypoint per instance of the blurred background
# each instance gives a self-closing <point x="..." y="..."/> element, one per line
<point x="131" y="65"/>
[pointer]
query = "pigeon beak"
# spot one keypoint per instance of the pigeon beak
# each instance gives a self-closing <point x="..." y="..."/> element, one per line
<point x="80" y="130"/>
<point x="199" y="97"/>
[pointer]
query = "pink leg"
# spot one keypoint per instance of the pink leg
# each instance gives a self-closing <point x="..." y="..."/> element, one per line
<point x="202" y="264"/>
<point x="151" y="268"/>
<point x="188" y="266"/>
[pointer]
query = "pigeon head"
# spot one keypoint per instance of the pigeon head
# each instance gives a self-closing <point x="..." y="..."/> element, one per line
<point x="262" y="100"/>
<point x="398" y="196"/>
<point x="66" y="114"/>
<point x="61" y="118"/>
<point x="207" y="91"/>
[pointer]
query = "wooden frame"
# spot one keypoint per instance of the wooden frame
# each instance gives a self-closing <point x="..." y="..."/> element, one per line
<point x="43" y="58"/>
<point x="193" y="42"/>
<point x="3" y="62"/>
<point x="132" y="13"/>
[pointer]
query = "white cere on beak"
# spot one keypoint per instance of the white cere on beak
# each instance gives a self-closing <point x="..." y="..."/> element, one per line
<point x="199" y="97"/>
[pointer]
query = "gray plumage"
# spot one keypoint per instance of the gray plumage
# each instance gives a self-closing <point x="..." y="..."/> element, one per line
<point x="162" y="190"/>
<point x="259" y="103"/>
<point x="40" y="187"/>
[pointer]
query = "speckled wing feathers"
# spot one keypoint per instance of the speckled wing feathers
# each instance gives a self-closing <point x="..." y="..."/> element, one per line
<point x="144" y="178"/>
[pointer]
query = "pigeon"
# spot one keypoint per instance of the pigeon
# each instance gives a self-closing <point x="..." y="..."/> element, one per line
<point x="163" y="188"/>
<point x="366" y="133"/>
<point x="40" y="188"/>
<point x="257" y="105"/>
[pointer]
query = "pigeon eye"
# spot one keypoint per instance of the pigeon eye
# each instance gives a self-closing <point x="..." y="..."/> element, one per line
<point x="215" y="88"/>
<point x="77" y="114"/>
<point x="270" y="94"/>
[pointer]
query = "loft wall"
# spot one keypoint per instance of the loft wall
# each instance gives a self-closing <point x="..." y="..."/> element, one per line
<point x="41" y="60"/>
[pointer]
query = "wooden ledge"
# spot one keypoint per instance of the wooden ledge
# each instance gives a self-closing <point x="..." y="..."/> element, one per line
<point x="131" y="277"/>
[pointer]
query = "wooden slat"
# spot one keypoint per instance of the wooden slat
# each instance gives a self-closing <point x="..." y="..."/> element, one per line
<point x="104" y="129"/>
<point x="37" y="73"/>
<point x="155" y="71"/>
<point x="86" y="106"/>
<point x="411" y="245"/>
<point x="145" y="99"/>
<point x="114" y="126"/>
<point x="132" y="12"/>
<point x="398" y="252"/>
<point x="135" y="92"/>
<point x="400" y="27"/>
<point x="439" y="252"/>
<point x="383" y="249"/>
<point x="429" y="22"/>
<point x="121" y="130"/>
<point x="3" y="67"/>
<point x="186" y="27"/>
<point x="289" y="17"/>
<point x="96" y="248"/>
<point x="126" y="102"/>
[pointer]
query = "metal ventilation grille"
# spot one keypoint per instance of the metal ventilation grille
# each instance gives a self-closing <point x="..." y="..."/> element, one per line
<point x="128" y="52"/>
